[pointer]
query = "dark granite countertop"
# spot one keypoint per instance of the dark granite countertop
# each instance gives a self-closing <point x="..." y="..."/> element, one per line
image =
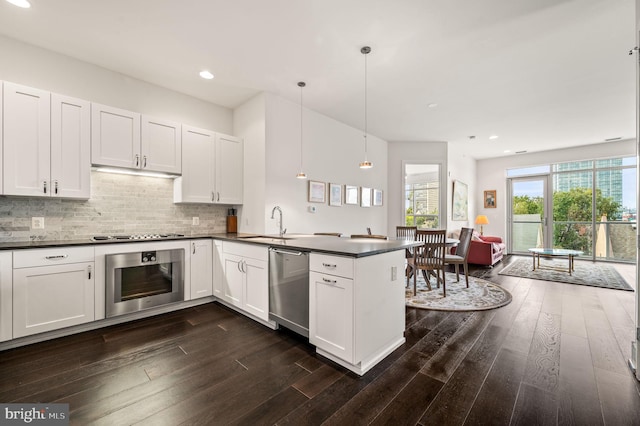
<point x="356" y="247"/>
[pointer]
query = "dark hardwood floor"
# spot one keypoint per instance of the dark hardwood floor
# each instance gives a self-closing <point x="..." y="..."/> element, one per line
<point x="555" y="355"/>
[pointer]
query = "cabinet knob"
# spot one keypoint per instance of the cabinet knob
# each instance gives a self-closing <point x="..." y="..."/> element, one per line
<point x="137" y="160"/>
<point x="55" y="187"/>
<point x="44" y="186"/>
<point x="144" y="161"/>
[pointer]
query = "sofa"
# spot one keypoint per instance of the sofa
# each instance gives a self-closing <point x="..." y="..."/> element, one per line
<point x="484" y="249"/>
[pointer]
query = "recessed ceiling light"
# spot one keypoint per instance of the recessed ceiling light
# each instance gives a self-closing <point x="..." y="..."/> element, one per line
<point x="20" y="3"/>
<point x="432" y="105"/>
<point x="492" y="137"/>
<point x="206" y="74"/>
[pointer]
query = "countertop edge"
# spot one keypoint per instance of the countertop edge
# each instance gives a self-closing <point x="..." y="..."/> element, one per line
<point x="317" y="245"/>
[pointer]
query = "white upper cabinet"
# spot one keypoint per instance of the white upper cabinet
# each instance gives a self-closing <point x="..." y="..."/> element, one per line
<point x="198" y="151"/>
<point x="161" y="146"/>
<point x="46" y="144"/>
<point x="229" y="169"/>
<point x="213" y="168"/>
<point x="70" y="147"/>
<point x="115" y="137"/>
<point x="27" y="140"/>
<point x="122" y="138"/>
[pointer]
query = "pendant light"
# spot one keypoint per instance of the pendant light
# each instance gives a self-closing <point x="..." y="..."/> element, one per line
<point x="366" y="164"/>
<point x="301" y="174"/>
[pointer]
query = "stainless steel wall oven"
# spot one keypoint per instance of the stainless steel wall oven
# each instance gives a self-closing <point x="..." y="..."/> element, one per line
<point x="142" y="280"/>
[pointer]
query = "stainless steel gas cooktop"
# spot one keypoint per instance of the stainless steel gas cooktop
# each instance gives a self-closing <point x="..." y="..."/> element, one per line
<point x="135" y="237"/>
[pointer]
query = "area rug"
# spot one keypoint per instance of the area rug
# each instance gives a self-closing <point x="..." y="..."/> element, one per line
<point x="481" y="295"/>
<point x="595" y="274"/>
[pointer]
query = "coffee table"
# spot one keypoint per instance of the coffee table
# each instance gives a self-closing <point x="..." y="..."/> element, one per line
<point x="549" y="252"/>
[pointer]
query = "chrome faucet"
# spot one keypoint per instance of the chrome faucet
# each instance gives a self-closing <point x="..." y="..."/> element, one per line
<point x="273" y="212"/>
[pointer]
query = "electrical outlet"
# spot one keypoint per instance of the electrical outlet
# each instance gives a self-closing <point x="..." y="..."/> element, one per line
<point x="37" y="223"/>
<point x="312" y="209"/>
<point x="195" y="221"/>
<point x="394" y="273"/>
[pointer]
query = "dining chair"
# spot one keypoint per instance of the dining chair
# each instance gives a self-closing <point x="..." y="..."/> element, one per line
<point x="407" y="233"/>
<point x="429" y="257"/>
<point x="461" y="254"/>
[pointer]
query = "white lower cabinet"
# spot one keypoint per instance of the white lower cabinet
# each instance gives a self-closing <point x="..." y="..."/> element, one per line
<point x="201" y="268"/>
<point x="52" y="289"/>
<point x="356" y="307"/>
<point x="6" y="296"/>
<point x="218" y="269"/>
<point x="246" y="278"/>
<point x="331" y="314"/>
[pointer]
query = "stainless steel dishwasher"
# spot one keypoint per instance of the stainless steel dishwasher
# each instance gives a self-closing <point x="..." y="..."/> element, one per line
<point x="289" y="289"/>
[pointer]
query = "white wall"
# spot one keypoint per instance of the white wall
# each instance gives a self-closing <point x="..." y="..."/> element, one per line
<point x="417" y="153"/>
<point x="332" y="151"/>
<point x="43" y="69"/>
<point x="491" y="174"/>
<point x="249" y="122"/>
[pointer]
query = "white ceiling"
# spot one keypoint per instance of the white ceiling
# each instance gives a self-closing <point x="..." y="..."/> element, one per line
<point x="541" y="74"/>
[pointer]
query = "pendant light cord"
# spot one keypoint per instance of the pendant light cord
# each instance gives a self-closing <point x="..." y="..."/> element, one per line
<point x="301" y="126"/>
<point x="365" y="106"/>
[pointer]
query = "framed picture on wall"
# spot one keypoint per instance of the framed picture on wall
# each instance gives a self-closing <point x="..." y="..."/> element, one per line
<point x="335" y="194"/>
<point x="365" y="197"/>
<point x="490" y="200"/>
<point x="377" y="197"/>
<point x="316" y="191"/>
<point x="459" y="209"/>
<point x="351" y="194"/>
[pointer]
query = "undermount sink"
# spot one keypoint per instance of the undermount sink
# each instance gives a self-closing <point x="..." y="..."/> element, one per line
<point x="265" y="237"/>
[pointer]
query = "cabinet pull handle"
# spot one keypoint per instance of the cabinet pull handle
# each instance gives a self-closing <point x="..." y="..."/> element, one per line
<point x="327" y="280"/>
<point x="137" y="160"/>
<point x="240" y="265"/>
<point x="55" y="187"/>
<point x="213" y="196"/>
<point x="57" y="257"/>
<point x="89" y="272"/>
<point x="218" y="196"/>
<point x="329" y="265"/>
<point x="45" y="186"/>
<point x="144" y="161"/>
<point x="194" y="247"/>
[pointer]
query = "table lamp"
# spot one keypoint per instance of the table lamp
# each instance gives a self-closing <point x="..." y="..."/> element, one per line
<point x="481" y="220"/>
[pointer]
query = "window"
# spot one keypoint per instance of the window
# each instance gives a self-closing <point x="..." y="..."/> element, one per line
<point x="422" y="195"/>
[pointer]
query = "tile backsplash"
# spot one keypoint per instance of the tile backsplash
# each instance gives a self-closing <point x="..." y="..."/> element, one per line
<point x="119" y="204"/>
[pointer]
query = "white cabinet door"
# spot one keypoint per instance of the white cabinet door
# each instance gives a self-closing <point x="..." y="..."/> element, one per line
<point x="256" y="295"/>
<point x="70" y="147"/>
<point x="201" y="268"/>
<point x="161" y="145"/>
<point x="196" y="183"/>
<point x="1" y="135"/>
<point x="229" y="169"/>
<point x="233" y="284"/>
<point x="6" y="296"/>
<point x="115" y="137"/>
<point x="27" y="141"/>
<point x="331" y="315"/>
<point x="51" y="297"/>
<point x="218" y="269"/>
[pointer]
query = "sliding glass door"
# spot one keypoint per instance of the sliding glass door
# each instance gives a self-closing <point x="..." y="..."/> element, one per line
<point x="528" y="213"/>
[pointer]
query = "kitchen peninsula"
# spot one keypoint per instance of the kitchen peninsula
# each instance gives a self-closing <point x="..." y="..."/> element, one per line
<point x="356" y="287"/>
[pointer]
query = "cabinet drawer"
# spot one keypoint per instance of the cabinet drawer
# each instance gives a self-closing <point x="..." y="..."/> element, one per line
<point x="253" y="251"/>
<point x="52" y="256"/>
<point x="333" y="265"/>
